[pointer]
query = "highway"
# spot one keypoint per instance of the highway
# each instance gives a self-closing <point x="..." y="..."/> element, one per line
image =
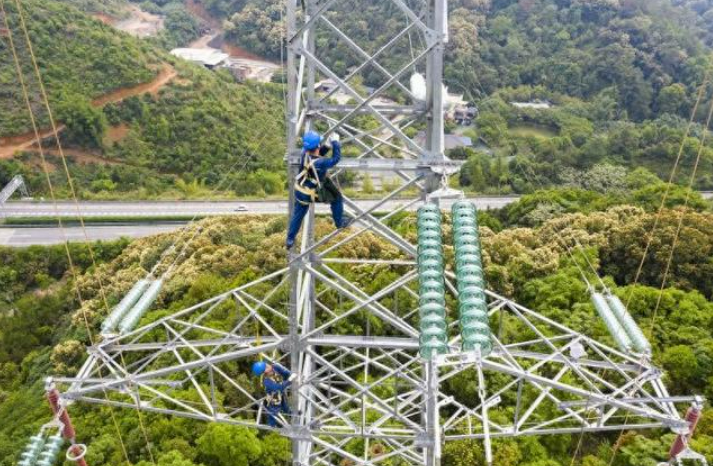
<point x="16" y="209"/>
<point x="26" y="236"/>
<point x="20" y="237"/>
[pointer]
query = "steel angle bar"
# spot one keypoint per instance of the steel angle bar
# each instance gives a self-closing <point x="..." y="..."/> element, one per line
<point x="561" y="359"/>
<point x="84" y="372"/>
<point x="379" y="227"/>
<point x="373" y="402"/>
<point x="311" y="19"/>
<point x="370" y="302"/>
<point x="512" y="347"/>
<point x="370" y="227"/>
<point x="555" y="349"/>
<point x="141" y="331"/>
<point x="364" y="103"/>
<point x="522" y="310"/>
<point x="354" y="46"/>
<point x="158" y="373"/>
<point x="330" y="407"/>
<point x="560" y="431"/>
<point x="356" y="341"/>
<point x="398" y="369"/>
<point x="547" y="392"/>
<point x="544" y="391"/>
<point x="326" y="309"/>
<point x="218" y="418"/>
<point x="384" y="109"/>
<point x="263" y="303"/>
<point x="395" y="263"/>
<point x="355" y="135"/>
<point x="628" y="390"/>
<point x="662" y="399"/>
<point x="373" y="58"/>
<point x="305" y="253"/>
<point x="232" y="341"/>
<point x="644" y="412"/>
<point x="254" y="313"/>
<point x="214" y="368"/>
<point x="196" y="385"/>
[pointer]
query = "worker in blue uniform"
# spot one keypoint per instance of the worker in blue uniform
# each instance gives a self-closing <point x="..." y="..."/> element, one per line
<point x="313" y="184"/>
<point x="275" y="380"/>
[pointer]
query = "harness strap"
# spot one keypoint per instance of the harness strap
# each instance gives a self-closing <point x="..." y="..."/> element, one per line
<point x="308" y="191"/>
<point x="308" y="169"/>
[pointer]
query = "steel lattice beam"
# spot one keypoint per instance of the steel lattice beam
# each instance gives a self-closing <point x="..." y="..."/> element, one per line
<point x="363" y="393"/>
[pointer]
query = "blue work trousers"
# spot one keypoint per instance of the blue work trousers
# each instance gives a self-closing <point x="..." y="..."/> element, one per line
<point x="274" y="410"/>
<point x="301" y="210"/>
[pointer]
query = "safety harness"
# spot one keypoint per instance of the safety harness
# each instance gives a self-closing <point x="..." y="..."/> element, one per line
<point x="308" y="173"/>
<point x="274" y="398"/>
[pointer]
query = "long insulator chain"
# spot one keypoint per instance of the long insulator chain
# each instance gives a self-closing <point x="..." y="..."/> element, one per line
<point x="472" y="304"/>
<point x="432" y="301"/>
<point x="32" y="451"/>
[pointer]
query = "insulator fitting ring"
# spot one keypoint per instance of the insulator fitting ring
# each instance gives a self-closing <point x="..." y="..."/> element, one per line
<point x="71" y="456"/>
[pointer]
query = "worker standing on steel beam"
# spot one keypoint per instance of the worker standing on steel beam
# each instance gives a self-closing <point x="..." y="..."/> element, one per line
<point x="275" y="379"/>
<point x="313" y="184"/>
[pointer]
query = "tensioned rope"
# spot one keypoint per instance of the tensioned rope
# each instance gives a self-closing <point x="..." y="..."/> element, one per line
<point x="582" y="252"/>
<point x="702" y="139"/>
<point x="670" y="182"/>
<point x="70" y="184"/>
<point x="70" y="261"/>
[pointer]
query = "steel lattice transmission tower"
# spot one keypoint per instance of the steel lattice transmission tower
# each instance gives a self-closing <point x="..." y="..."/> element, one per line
<point x="364" y="395"/>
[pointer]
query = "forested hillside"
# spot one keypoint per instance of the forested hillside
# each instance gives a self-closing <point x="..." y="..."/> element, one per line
<point x="191" y="134"/>
<point x="522" y="262"/>
<point x="622" y="75"/>
<point x="622" y="78"/>
<point x="571" y="47"/>
<point x="80" y="59"/>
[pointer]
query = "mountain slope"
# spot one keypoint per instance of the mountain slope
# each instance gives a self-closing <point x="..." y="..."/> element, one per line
<point x="78" y="57"/>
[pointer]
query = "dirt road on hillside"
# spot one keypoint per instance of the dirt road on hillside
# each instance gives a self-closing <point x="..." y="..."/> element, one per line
<point x="165" y="76"/>
<point x="10" y="145"/>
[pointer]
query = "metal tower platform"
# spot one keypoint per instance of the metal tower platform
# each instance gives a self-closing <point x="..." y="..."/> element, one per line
<point x="363" y="393"/>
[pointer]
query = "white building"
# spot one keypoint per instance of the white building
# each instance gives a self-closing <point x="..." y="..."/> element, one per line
<point x="535" y="104"/>
<point x="208" y="57"/>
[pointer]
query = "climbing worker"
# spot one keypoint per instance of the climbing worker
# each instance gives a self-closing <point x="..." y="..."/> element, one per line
<point x="313" y="184"/>
<point x="275" y="379"/>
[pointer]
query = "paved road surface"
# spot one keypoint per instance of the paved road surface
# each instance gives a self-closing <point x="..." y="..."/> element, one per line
<point x="19" y="237"/>
<point x="188" y="208"/>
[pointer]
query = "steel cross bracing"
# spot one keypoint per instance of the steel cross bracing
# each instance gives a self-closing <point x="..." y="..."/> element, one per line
<point x="371" y="389"/>
<point x="17" y="182"/>
<point x="363" y="394"/>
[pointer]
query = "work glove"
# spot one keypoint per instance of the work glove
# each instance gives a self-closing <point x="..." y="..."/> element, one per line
<point x="292" y="378"/>
<point x="333" y="138"/>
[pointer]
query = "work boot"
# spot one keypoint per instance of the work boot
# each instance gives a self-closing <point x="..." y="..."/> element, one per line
<point x="346" y="223"/>
<point x="289" y="243"/>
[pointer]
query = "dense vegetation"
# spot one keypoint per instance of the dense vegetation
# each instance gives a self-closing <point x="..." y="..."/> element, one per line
<point x="180" y="27"/>
<point x="80" y="59"/>
<point x="622" y="101"/>
<point x="200" y="133"/>
<point x="523" y="262"/>
<point x="586" y="135"/>
<point x="636" y="49"/>
<point x="623" y="76"/>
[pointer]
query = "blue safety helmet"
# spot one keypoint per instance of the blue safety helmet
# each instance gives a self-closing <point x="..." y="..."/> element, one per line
<point x="259" y="367"/>
<point x="311" y="140"/>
